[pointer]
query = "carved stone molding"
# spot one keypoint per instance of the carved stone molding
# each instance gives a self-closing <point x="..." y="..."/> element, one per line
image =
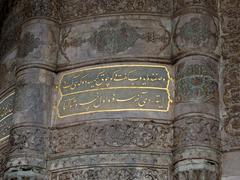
<point x="196" y="152"/>
<point x="196" y="169"/>
<point x="197" y="175"/>
<point x="72" y="9"/>
<point x="112" y="135"/>
<point x="56" y="163"/>
<point x="196" y="130"/>
<point x="110" y="173"/>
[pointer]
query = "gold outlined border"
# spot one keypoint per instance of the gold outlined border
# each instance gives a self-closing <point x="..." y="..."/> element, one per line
<point x="4" y="99"/>
<point x="117" y="110"/>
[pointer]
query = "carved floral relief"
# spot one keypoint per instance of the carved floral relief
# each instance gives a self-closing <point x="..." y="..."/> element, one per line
<point x="111" y="173"/>
<point x="230" y="15"/>
<point x="196" y="81"/>
<point x="116" y="134"/>
<point x="72" y="9"/>
<point x="195" y="33"/>
<point x="27" y="138"/>
<point x="196" y="130"/>
<point x="114" y="38"/>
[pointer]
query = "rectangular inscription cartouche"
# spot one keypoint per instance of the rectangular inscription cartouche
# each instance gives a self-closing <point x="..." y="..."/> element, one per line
<point x="114" y="88"/>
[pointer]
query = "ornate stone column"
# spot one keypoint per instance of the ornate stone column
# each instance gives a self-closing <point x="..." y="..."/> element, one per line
<point x="196" y="126"/>
<point x="36" y="63"/>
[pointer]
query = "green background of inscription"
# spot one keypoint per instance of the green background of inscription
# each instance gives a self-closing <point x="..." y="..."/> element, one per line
<point x="114" y="88"/>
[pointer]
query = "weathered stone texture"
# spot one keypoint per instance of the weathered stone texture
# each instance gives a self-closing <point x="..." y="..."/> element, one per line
<point x="111" y="39"/>
<point x="230" y="64"/>
<point x="109" y="173"/>
<point x="72" y="9"/>
<point x="119" y="89"/>
<point x="112" y="135"/>
<point x="231" y="74"/>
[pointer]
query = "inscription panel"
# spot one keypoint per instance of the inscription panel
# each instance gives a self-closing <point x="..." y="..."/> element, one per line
<point x="115" y="88"/>
<point x="6" y="111"/>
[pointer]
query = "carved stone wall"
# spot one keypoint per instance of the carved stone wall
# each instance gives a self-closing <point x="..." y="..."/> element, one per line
<point x="110" y="89"/>
<point x="230" y="64"/>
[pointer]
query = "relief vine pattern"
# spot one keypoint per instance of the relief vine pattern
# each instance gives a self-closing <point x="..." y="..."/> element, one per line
<point x="196" y="81"/>
<point x="196" y="131"/>
<point x="112" y="135"/>
<point x="72" y="9"/>
<point x="108" y="173"/>
<point x="196" y="32"/>
<point x="27" y="138"/>
<point x="230" y="17"/>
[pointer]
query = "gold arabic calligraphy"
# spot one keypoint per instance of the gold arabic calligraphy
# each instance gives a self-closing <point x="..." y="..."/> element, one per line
<point x="115" y="88"/>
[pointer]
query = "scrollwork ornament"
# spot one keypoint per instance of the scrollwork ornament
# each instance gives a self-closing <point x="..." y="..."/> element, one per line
<point x="196" y="131"/>
<point x="196" y="33"/>
<point x="25" y="139"/>
<point x="110" y="173"/>
<point x="72" y="9"/>
<point x="197" y="81"/>
<point x="112" y="135"/>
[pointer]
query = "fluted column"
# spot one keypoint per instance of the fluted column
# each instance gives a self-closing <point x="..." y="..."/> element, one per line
<point x="196" y="125"/>
<point x="36" y="63"/>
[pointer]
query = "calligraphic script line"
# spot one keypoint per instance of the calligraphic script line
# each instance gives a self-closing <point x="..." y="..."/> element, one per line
<point x="115" y="88"/>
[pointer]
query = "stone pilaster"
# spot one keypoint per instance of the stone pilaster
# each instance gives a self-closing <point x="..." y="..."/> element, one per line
<point x="36" y="64"/>
<point x="196" y="126"/>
